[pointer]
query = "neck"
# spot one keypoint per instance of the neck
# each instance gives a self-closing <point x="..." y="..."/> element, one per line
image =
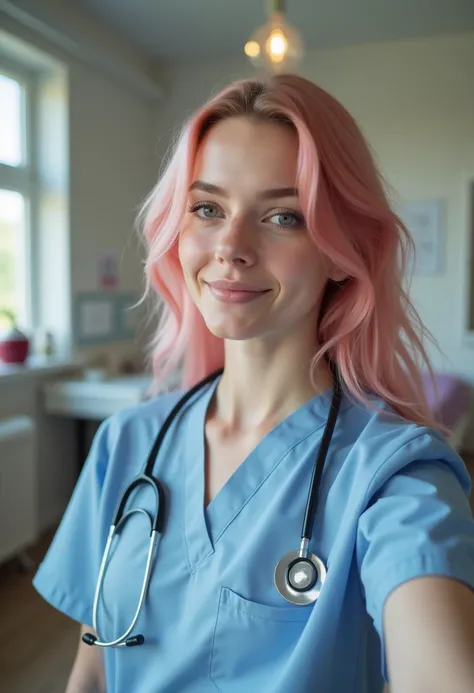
<point x="261" y="386"/>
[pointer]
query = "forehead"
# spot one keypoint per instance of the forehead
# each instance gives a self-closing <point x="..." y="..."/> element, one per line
<point x="247" y="150"/>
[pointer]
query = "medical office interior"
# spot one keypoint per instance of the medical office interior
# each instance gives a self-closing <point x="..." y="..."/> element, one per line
<point x="91" y="94"/>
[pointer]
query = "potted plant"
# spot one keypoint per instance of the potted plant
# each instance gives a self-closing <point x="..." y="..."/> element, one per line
<point x="14" y="345"/>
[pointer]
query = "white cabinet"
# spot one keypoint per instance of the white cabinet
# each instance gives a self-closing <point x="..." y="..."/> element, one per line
<point x="18" y="486"/>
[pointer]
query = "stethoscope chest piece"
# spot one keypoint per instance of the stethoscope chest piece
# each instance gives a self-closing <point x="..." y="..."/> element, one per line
<point x="300" y="579"/>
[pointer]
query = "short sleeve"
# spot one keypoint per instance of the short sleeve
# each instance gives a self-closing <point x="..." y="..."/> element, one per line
<point x="67" y="576"/>
<point x="419" y="523"/>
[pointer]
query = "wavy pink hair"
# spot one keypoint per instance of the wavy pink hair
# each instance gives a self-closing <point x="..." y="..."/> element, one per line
<point x="370" y="329"/>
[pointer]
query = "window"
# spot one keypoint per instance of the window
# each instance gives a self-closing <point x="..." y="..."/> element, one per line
<point x="12" y="253"/>
<point x="12" y="97"/>
<point x="35" y="281"/>
<point x="16" y="193"/>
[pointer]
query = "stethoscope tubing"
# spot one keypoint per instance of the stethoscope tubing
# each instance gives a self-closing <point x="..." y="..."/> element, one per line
<point x="310" y="510"/>
<point x="158" y="521"/>
<point x="170" y="418"/>
<point x="121" y="640"/>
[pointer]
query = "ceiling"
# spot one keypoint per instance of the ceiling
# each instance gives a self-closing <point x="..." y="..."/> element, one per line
<point x="183" y="30"/>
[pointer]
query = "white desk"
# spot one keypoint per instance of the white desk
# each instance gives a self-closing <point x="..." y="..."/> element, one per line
<point x="95" y="400"/>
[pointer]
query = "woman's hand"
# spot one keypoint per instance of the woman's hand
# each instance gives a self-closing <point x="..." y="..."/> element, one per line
<point x="87" y="674"/>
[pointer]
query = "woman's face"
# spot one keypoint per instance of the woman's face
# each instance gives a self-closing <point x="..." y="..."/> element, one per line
<point x="244" y="224"/>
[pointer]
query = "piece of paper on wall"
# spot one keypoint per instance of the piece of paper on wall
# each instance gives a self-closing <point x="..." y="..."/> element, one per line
<point x="96" y="319"/>
<point x="108" y="271"/>
<point x="425" y="222"/>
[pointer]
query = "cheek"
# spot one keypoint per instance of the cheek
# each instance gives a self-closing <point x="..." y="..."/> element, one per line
<point x="300" y="269"/>
<point x="192" y="251"/>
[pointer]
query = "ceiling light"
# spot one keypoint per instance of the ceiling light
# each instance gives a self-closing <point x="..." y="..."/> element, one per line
<point x="276" y="46"/>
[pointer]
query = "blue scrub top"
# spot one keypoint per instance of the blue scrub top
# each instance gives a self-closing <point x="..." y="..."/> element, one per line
<point x="393" y="506"/>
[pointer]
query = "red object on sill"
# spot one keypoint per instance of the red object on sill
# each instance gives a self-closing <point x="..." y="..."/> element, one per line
<point x="14" y="346"/>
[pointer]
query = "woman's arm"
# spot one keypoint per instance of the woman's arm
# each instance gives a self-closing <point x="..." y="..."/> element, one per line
<point x="429" y="636"/>
<point x="87" y="674"/>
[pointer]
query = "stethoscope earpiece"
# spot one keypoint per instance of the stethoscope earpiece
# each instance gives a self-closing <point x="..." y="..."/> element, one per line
<point x="90" y="639"/>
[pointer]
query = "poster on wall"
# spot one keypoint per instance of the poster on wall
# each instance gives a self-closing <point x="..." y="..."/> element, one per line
<point x="426" y="224"/>
<point x="108" y="271"/>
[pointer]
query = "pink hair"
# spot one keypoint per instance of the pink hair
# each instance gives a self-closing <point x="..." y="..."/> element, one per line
<point x="370" y="328"/>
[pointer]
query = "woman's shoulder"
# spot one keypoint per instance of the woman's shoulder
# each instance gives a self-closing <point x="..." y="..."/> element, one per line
<point x="385" y="443"/>
<point x="377" y="420"/>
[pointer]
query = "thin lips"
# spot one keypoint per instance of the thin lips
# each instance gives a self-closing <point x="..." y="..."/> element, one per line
<point x="234" y="286"/>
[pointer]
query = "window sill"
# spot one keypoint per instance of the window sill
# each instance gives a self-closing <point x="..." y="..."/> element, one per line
<point x="37" y="367"/>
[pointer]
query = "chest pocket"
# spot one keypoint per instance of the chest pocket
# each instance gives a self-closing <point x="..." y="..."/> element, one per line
<point x="253" y="642"/>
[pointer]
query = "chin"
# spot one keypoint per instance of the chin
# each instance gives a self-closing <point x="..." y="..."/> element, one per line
<point x="233" y="331"/>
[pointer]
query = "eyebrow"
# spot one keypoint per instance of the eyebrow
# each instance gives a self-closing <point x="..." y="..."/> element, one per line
<point x="270" y="194"/>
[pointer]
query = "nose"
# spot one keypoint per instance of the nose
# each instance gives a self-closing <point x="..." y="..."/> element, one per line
<point x="234" y="244"/>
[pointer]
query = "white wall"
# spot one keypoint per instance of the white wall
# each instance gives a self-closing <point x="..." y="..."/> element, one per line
<point x="112" y="168"/>
<point x="112" y="134"/>
<point x="415" y="102"/>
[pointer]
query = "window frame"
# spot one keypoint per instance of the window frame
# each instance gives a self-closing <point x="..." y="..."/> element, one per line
<point x="23" y="179"/>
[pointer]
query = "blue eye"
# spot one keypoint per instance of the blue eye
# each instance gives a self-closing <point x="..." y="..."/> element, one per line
<point x="204" y="210"/>
<point x="287" y="219"/>
<point x="208" y="212"/>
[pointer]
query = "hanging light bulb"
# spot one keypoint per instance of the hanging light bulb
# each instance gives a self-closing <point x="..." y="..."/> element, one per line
<point x="275" y="46"/>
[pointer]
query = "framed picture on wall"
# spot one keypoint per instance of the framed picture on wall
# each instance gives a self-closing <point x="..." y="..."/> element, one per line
<point x="469" y="284"/>
<point x="426" y="222"/>
<point x="105" y="317"/>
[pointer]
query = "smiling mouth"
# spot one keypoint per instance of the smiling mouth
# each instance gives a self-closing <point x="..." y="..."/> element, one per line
<point x="236" y="296"/>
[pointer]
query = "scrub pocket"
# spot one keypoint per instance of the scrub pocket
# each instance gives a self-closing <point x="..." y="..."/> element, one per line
<point x="252" y="642"/>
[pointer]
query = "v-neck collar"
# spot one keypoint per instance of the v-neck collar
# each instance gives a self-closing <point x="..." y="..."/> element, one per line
<point x="204" y="526"/>
<point x="198" y="541"/>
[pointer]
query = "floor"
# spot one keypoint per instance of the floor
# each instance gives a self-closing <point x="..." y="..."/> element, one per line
<point x="37" y="643"/>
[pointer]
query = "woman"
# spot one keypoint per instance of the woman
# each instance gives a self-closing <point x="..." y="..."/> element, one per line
<point x="276" y="253"/>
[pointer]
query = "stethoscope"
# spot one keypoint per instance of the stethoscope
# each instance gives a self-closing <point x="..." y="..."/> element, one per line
<point x="299" y="575"/>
